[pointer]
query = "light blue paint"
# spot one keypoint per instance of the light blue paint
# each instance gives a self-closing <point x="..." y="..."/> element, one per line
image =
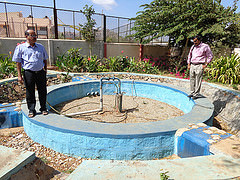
<point x="10" y="118"/>
<point x="115" y="141"/>
<point x="194" y="143"/>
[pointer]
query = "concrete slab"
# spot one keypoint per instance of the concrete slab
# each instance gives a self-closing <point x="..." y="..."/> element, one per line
<point x="12" y="160"/>
<point x="204" y="167"/>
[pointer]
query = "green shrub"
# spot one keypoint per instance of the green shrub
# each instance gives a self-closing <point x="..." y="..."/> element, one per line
<point x="225" y="70"/>
<point x="141" y="67"/>
<point x="91" y="64"/>
<point x="71" y="61"/>
<point x="7" y="67"/>
<point x="117" y="63"/>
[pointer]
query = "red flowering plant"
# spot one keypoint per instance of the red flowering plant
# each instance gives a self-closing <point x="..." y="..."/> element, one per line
<point x="161" y="63"/>
<point x="91" y="63"/>
<point x="141" y="67"/>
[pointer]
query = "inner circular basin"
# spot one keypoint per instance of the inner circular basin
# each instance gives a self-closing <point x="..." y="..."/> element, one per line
<point x="134" y="109"/>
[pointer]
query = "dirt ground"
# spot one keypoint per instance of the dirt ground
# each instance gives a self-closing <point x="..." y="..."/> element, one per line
<point x="49" y="164"/>
<point x="134" y="109"/>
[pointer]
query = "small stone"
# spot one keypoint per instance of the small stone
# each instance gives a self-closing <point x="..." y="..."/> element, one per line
<point x="208" y="131"/>
<point x="215" y="137"/>
<point x="233" y="137"/>
<point x="181" y="131"/>
<point x="210" y="141"/>
<point x="3" y="110"/>
<point x="19" y="136"/>
<point x="17" y="109"/>
<point x="221" y="132"/>
<point x="213" y="128"/>
<point x="154" y="80"/>
<point x="190" y="124"/>
<point x="18" y="104"/>
<point x="195" y="126"/>
<point x="234" y="147"/>
<point x="201" y="125"/>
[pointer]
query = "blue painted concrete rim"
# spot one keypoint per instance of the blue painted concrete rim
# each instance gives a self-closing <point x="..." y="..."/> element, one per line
<point x="201" y="112"/>
<point x="237" y="93"/>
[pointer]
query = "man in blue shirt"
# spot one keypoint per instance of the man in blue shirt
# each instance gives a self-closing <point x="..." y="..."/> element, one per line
<point x="32" y="57"/>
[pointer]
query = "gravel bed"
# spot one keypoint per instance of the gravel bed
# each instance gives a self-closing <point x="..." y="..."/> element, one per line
<point x="17" y="138"/>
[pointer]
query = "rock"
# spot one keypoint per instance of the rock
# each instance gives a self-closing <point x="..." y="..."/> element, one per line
<point x="17" y="109"/>
<point x="215" y="137"/>
<point x="201" y="125"/>
<point x="19" y="136"/>
<point x="195" y="126"/>
<point x="208" y="131"/>
<point x="221" y="132"/>
<point x="213" y="128"/>
<point x="210" y="141"/>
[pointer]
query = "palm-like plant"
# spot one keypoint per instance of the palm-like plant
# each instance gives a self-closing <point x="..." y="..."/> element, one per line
<point x="225" y="69"/>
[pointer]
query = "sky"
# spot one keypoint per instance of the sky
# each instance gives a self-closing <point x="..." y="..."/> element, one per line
<point x="120" y="8"/>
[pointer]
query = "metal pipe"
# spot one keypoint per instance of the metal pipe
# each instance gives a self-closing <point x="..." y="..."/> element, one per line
<point x="84" y="112"/>
<point x="101" y="97"/>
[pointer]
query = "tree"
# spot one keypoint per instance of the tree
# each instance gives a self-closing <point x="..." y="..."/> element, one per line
<point x="87" y="29"/>
<point x="183" y="19"/>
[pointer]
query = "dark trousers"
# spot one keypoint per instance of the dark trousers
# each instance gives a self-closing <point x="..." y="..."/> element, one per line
<point x="38" y="78"/>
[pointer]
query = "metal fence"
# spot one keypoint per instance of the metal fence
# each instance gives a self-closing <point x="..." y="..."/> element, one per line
<point x="15" y="18"/>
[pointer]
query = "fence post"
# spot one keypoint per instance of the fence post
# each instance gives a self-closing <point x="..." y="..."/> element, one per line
<point x="32" y="19"/>
<point x="104" y="27"/>
<point x="118" y="29"/>
<point x="74" y="25"/>
<point x="55" y="20"/>
<point x="7" y="26"/>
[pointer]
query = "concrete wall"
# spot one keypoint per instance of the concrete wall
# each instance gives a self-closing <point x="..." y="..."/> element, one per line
<point x="132" y="50"/>
<point x="54" y="47"/>
<point x="237" y="51"/>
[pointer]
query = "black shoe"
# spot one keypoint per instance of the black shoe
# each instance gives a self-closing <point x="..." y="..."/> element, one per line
<point x="194" y="97"/>
<point x="190" y="95"/>
<point x="31" y="114"/>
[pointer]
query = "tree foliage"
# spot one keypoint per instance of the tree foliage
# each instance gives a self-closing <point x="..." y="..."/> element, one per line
<point x="183" y="19"/>
<point x="87" y="29"/>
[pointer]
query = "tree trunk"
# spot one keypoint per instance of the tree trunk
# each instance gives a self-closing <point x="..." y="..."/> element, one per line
<point x="184" y="50"/>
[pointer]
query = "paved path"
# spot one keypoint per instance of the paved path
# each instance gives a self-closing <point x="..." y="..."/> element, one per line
<point x="202" y="168"/>
<point x="12" y="160"/>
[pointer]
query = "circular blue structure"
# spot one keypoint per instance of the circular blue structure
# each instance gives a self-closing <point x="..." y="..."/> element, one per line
<point x="129" y="141"/>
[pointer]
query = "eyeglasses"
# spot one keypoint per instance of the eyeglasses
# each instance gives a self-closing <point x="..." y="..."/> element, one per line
<point x="195" y="41"/>
<point x="32" y="35"/>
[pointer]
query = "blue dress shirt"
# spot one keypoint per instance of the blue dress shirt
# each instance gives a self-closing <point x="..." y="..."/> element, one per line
<point x="30" y="57"/>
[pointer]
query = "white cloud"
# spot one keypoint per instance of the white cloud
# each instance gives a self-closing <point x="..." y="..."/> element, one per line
<point x="107" y="4"/>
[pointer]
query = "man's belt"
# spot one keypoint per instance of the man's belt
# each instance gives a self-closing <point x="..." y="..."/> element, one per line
<point x="197" y="63"/>
<point x="33" y="71"/>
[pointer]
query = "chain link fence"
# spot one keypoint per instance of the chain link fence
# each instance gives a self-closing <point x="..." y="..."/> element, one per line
<point x="16" y="18"/>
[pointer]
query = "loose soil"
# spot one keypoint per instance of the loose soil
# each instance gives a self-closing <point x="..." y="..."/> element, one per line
<point x="134" y="109"/>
